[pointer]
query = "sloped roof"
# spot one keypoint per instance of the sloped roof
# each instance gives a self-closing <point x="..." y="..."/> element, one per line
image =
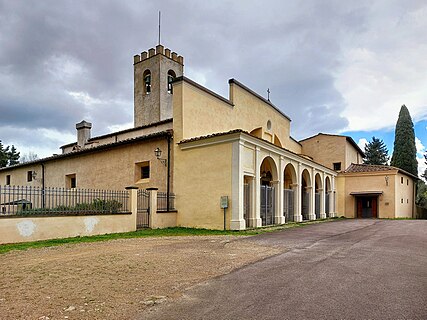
<point x="354" y="168"/>
<point x="112" y="134"/>
<point x="93" y="149"/>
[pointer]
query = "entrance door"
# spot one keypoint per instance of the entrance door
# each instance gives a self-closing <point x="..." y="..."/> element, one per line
<point x="367" y="207"/>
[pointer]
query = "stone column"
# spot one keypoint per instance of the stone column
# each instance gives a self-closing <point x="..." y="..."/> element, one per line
<point x="280" y="218"/>
<point x="237" y="222"/>
<point x="257" y="189"/>
<point x="278" y="212"/>
<point x="333" y="199"/>
<point x="153" y="208"/>
<point x="298" y="204"/>
<point x="312" y="191"/>
<point x="252" y="211"/>
<point x="322" y="203"/>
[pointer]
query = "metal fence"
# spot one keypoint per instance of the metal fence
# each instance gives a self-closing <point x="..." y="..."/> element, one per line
<point x="27" y="200"/>
<point x="143" y="209"/>
<point x="162" y="201"/>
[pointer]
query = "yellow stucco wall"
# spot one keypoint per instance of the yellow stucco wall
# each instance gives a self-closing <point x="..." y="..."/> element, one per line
<point x="404" y="196"/>
<point x="351" y="155"/>
<point x="13" y="230"/>
<point x="370" y="182"/>
<point x="202" y="113"/>
<point x="328" y="149"/>
<point x="112" y="169"/>
<point x="202" y="176"/>
<point x="389" y="203"/>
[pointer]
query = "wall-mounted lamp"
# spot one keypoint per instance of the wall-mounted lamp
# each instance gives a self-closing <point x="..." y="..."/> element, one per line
<point x="158" y="154"/>
<point x="34" y="175"/>
<point x="386" y="180"/>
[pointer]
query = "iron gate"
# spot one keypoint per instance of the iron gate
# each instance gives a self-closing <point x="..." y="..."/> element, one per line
<point x="267" y="205"/>
<point x="288" y="205"/>
<point x="317" y="205"/>
<point x="305" y="205"/>
<point x="143" y="209"/>
<point x="327" y="205"/>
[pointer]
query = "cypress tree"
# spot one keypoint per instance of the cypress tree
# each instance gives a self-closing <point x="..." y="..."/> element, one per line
<point x="405" y="152"/>
<point x="376" y="152"/>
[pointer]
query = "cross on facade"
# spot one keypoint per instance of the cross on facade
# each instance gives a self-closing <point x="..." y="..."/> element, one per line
<point x="268" y="94"/>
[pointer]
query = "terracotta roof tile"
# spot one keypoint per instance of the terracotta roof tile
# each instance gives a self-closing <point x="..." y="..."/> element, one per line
<point x="374" y="168"/>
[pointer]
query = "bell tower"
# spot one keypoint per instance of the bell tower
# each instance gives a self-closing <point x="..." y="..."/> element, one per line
<point x="153" y="75"/>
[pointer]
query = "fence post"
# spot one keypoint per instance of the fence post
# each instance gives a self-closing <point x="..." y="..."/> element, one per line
<point x="152" y="210"/>
<point x="133" y="204"/>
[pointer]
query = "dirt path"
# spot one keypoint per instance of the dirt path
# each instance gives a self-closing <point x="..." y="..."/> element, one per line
<point x="114" y="279"/>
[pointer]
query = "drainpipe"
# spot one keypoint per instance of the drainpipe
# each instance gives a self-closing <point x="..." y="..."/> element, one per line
<point x="169" y="171"/>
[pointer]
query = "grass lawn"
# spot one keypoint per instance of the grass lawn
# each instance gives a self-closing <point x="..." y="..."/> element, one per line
<point x="168" y="232"/>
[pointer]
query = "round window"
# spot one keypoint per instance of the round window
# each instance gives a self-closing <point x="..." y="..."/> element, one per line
<point x="269" y="125"/>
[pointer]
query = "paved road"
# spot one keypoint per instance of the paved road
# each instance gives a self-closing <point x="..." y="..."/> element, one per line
<point x="352" y="269"/>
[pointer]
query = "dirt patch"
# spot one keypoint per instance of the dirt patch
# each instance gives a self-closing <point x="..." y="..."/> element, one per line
<point x="115" y="279"/>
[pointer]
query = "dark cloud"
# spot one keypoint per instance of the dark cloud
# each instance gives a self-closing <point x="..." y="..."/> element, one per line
<point x="55" y="54"/>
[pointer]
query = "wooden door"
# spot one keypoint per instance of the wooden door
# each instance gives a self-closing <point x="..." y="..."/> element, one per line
<point x="374" y="207"/>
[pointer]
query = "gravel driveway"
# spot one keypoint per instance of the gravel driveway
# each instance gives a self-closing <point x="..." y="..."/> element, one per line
<point x="115" y="279"/>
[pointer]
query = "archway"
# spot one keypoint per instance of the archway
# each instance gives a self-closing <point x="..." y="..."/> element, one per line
<point x="305" y="194"/>
<point x="268" y="174"/>
<point x="290" y="177"/>
<point x="317" y="195"/>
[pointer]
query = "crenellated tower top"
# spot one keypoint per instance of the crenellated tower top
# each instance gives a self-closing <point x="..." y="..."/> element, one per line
<point x="154" y="72"/>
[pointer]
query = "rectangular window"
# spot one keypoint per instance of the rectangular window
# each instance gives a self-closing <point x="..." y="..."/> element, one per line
<point x="70" y="181"/>
<point x="145" y="172"/>
<point x="401" y="180"/>
<point x="401" y="200"/>
<point x="8" y="180"/>
<point x="29" y="176"/>
<point x="337" y="166"/>
<point x="407" y="182"/>
<point x="142" y="171"/>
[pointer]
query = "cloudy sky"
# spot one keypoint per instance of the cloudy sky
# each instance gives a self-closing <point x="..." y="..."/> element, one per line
<point x="332" y="66"/>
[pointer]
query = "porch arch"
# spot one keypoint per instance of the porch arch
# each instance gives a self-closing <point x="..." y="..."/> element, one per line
<point x="268" y="185"/>
<point x="289" y="192"/>
<point x="318" y="189"/>
<point x="305" y="194"/>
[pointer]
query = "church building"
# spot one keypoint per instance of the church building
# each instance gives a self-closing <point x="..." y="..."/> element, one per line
<point x="230" y="161"/>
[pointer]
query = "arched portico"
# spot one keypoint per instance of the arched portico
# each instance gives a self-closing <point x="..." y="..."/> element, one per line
<point x="268" y="189"/>
<point x="306" y="189"/>
<point x="319" y="202"/>
<point x="289" y="192"/>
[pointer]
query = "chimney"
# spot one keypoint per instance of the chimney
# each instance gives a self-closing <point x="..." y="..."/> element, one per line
<point x="83" y="133"/>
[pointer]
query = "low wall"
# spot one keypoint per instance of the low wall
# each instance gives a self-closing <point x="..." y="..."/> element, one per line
<point x="19" y="229"/>
<point x="163" y="219"/>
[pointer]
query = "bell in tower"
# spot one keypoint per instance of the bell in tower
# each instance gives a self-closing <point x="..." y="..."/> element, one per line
<point x="154" y="73"/>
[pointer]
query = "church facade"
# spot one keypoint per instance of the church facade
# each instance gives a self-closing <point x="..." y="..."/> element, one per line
<point x="231" y="162"/>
